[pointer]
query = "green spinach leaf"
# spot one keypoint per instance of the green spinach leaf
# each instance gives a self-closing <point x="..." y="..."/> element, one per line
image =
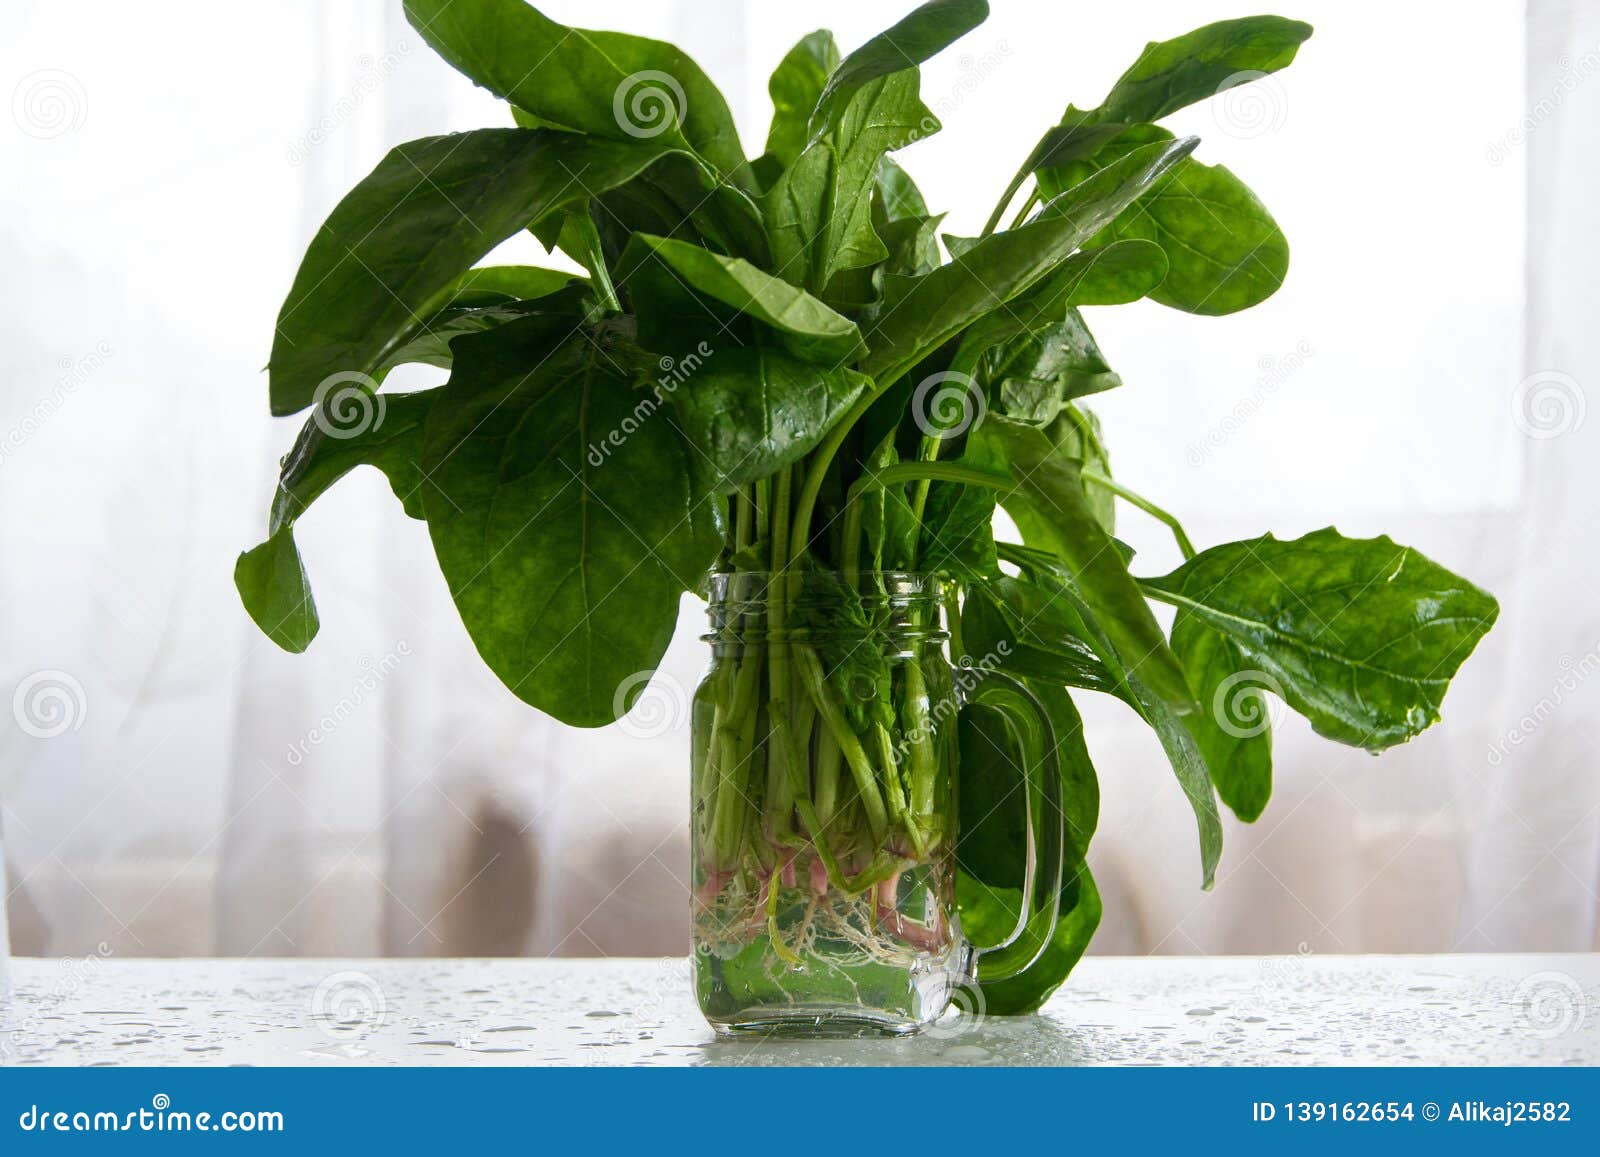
<point x="391" y="252"/>
<point x="751" y="411"/>
<point x="1171" y="74"/>
<point x="1232" y="727"/>
<point x="1359" y="635"/>
<point x="924" y="312"/>
<point x="795" y="87"/>
<point x="1225" y="251"/>
<point x="606" y="83"/>
<point x="928" y="30"/>
<point x="564" y="517"/>
<point x="662" y="269"/>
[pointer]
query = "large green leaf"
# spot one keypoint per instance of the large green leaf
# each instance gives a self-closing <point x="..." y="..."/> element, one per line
<point x="957" y="532"/>
<point x="1033" y="374"/>
<point x="661" y="269"/>
<point x="680" y="197"/>
<point x="1039" y="338"/>
<point x="355" y="429"/>
<point x="1039" y="634"/>
<point x="923" y="312"/>
<point x="1359" y="635"/>
<point x="609" y="84"/>
<point x="1048" y="501"/>
<point x="1232" y="727"/>
<point x="1170" y="74"/>
<point x="795" y="86"/>
<point x="477" y="305"/>
<point x="926" y="31"/>
<point x="1225" y="251"/>
<point x="390" y="253"/>
<point x="750" y="411"/>
<point x="563" y="513"/>
<point x="819" y="213"/>
<point x="351" y="428"/>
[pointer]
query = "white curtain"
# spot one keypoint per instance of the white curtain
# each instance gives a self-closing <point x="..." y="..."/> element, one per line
<point x="175" y="785"/>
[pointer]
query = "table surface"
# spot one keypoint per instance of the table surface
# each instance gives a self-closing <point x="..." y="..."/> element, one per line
<point x="1311" y="1010"/>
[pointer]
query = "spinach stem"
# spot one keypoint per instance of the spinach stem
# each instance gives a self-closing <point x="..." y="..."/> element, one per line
<point x="855" y="755"/>
<point x="780" y="798"/>
<point x="1090" y="474"/>
<point x="916" y="471"/>
<point x="927" y="451"/>
<point x="1027" y="207"/>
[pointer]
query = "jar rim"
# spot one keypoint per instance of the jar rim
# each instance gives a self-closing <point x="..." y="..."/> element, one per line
<point x="907" y="581"/>
<point x="897" y="603"/>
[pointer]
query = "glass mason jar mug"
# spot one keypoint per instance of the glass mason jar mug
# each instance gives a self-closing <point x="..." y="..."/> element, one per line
<point x="825" y="782"/>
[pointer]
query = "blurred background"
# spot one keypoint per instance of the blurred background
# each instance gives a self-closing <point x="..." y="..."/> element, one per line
<point x="172" y="784"/>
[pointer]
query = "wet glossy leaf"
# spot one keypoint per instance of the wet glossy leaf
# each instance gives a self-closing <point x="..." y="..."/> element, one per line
<point x="1232" y="728"/>
<point x="565" y="520"/>
<point x="958" y="532"/>
<point x="1361" y="635"/>
<point x="348" y="430"/>
<point x="926" y="31"/>
<point x="750" y="411"/>
<point x="609" y="84"/>
<point x="1049" y="504"/>
<point x="661" y="270"/>
<point x="1170" y="74"/>
<point x="819" y="213"/>
<point x="1225" y="252"/>
<point x="390" y="253"/>
<point x="924" y="312"/>
<point x="795" y="87"/>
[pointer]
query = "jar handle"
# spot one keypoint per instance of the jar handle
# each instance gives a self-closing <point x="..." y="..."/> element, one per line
<point x="1040" y="772"/>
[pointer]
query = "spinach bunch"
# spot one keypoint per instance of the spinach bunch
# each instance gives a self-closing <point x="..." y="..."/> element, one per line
<point x="780" y="365"/>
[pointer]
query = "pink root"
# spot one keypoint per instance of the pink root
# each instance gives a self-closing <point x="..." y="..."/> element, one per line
<point x="819" y="877"/>
<point x="887" y="913"/>
<point x="787" y="872"/>
<point x="706" y="894"/>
